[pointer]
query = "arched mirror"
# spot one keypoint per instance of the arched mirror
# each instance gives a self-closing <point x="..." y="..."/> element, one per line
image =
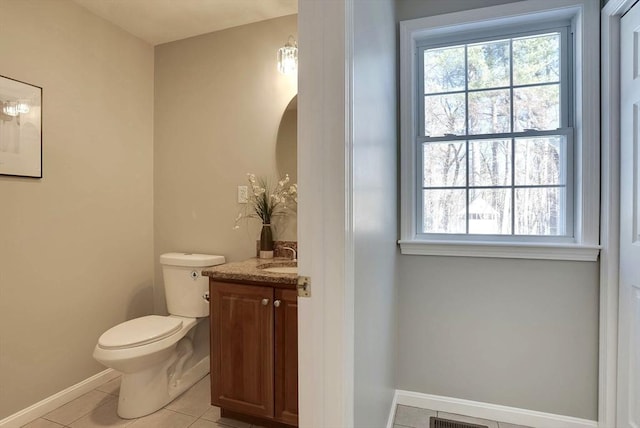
<point x="287" y="162"/>
<point x="287" y="144"/>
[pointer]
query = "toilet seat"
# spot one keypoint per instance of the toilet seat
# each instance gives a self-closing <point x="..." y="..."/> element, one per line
<point x="139" y="331"/>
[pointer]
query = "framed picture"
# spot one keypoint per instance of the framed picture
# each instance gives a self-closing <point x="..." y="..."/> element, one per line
<point x="20" y="128"/>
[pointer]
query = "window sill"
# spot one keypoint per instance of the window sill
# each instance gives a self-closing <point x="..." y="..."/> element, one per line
<point x="574" y="252"/>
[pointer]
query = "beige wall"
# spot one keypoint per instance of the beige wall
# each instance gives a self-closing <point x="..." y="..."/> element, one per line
<point x="520" y="333"/>
<point x="218" y="103"/>
<point x="76" y="247"/>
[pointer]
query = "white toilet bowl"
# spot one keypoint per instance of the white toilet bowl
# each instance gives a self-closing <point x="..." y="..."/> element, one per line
<point x="162" y="356"/>
<point x="152" y="367"/>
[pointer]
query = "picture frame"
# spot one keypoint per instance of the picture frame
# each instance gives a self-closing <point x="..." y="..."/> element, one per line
<point x="20" y="128"/>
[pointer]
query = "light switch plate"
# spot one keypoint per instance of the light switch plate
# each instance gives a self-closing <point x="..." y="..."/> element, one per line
<point x="243" y="194"/>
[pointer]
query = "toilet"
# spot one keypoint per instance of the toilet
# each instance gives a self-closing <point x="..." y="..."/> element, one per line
<point x="162" y="356"/>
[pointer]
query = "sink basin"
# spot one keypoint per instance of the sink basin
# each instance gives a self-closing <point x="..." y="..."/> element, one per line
<point x="282" y="266"/>
<point x="281" y="269"/>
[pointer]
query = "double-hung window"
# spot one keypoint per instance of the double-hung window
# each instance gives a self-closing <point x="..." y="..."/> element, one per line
<point x="493" y="141"/>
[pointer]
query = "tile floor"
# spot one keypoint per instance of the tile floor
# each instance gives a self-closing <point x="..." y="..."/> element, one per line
<point x="192" y="409"/>
<point x="414" y="417"/>
<point x="97" y="408"/>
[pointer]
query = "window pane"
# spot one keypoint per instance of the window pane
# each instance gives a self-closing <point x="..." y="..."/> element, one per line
<point x="444" y="70"/>
<point x="504" y="185"/>
<point x="488" y="64"/>
<point x="490" y="211"/>
<point x="444" y="114"/>
<point x="539" y="211"/>
<point x="536" y="59"/>
<point x="540" y="161"/>
<point x="444" y="211"/>
<point x="536" y="107"/>
<point x="444" y="164"/>
<point x="489" y="112"/>
<point x="490" y="163"/>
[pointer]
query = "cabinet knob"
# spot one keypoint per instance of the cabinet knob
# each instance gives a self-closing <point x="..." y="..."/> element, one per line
<point x="265" y="302"/>
<point x="276" y="303"/>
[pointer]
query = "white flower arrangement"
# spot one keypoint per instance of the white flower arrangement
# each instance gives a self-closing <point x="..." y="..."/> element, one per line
<point x="266" y="202"/>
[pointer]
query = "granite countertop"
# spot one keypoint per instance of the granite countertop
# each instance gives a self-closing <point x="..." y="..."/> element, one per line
<point x="250" y="271"/>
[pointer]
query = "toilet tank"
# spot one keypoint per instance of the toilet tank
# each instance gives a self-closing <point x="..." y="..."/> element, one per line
<point x="184" y="285"/>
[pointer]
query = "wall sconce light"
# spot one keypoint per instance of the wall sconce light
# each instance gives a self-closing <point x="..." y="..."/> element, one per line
<point x="288" y="57"/>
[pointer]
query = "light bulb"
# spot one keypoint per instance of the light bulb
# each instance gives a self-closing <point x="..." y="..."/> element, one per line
<point x="10" y="108"/>
<point x="23" y="107"/>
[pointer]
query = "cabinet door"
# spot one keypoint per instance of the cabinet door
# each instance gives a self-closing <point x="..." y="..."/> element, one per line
<point x="242" y="348"/>
<point x="286" y="356"/>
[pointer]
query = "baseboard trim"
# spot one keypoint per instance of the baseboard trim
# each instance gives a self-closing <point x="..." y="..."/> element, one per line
<point x="45" y="406"/>
<point x="392" y="413"/>
<point x="493" y="412"/>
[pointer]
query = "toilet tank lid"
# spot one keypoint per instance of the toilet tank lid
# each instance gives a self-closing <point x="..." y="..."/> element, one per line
<point x="191" y="259"/>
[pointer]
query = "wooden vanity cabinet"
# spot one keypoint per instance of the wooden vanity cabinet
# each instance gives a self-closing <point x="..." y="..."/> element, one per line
<point x="286" y="357"/>
<point x="254" y="352"/>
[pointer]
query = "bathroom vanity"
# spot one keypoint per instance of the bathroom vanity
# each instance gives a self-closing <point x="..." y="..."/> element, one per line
<point x="254" y="342"/>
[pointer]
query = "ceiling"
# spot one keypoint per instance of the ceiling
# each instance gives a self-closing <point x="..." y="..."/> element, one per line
<point x="162" y="21"/>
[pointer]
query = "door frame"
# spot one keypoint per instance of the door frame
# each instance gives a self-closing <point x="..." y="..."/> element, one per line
<point x="610" y="209"/>
<point x="325" y="220"/>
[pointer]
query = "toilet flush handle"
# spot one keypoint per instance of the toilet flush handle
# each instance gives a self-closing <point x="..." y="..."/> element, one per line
<point x="205" y="296"/>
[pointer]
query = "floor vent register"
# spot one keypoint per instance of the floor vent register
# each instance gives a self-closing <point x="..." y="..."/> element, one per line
<point x="447" y="423"/>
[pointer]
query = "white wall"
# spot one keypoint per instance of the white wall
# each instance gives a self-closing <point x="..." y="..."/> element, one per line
<point x="219" y="99"/>
<point x="411" y="9"/>
<point x="375" y="215"/>
<point x="512" y="332"/>
<point x="76" y="247"/>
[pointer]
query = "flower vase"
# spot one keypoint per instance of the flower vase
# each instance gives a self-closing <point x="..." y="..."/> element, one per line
<point x="266" y="242"/>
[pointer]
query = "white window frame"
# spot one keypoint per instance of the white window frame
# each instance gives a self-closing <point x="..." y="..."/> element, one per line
<point x="586" y="113"/>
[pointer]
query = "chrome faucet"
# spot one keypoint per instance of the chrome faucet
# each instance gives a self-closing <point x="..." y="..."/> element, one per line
<point x="295" y="255"/>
